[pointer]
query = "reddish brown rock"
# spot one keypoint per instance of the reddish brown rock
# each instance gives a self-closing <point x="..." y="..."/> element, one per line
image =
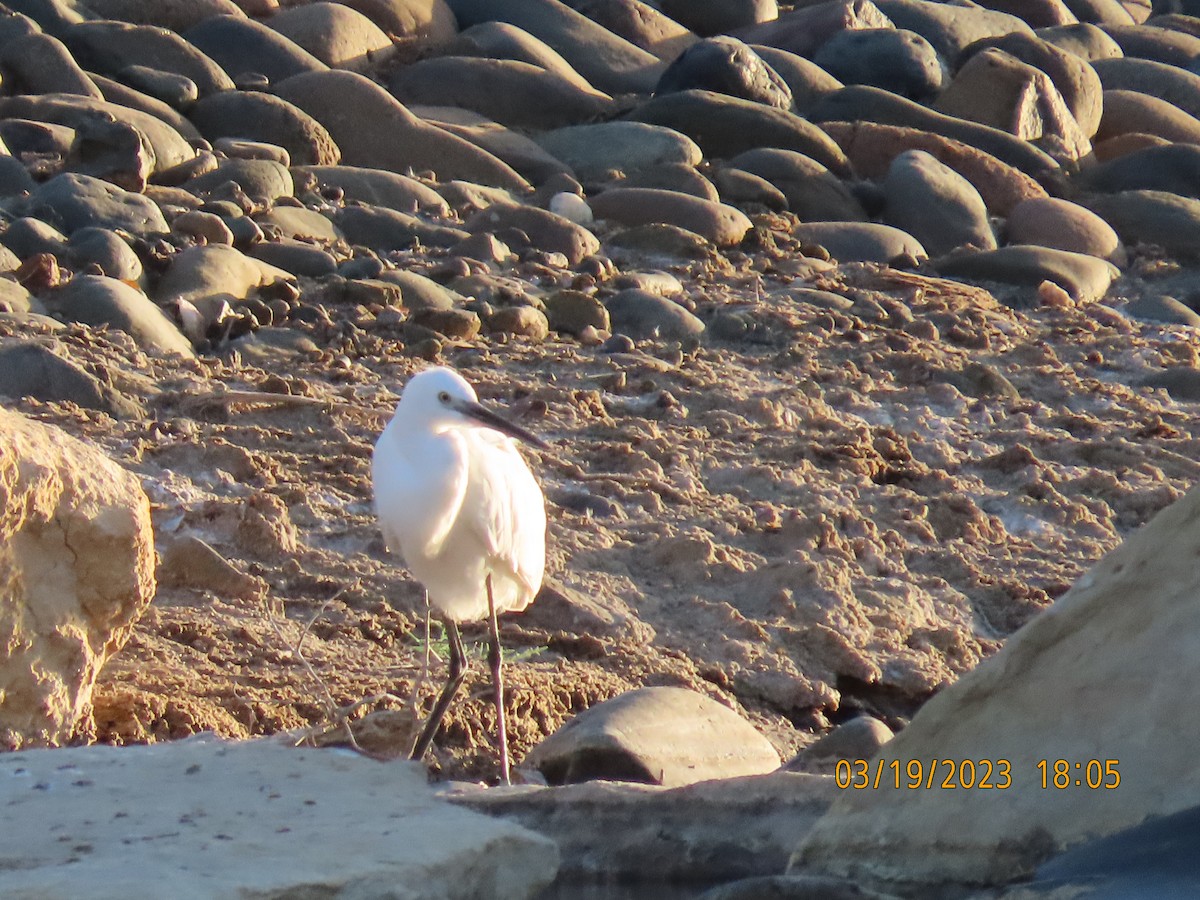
<point x="871" y="149"/>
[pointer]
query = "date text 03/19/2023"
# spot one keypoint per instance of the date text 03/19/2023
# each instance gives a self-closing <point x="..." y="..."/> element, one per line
<point x="974" y="774"/>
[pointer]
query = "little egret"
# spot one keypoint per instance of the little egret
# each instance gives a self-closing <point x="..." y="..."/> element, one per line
<point x="458" y="502"/>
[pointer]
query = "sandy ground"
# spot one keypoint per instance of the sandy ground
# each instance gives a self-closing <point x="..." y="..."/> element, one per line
<point x="817" y="511"/>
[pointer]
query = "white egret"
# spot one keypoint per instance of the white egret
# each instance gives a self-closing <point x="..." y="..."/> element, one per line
<point x="456" y="499"/>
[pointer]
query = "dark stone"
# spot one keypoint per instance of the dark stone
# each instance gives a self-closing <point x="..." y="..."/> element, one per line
<point x="726" y="66"/>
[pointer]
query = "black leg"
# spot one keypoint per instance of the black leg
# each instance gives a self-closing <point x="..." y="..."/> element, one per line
<point x="454" y="679"/>
<point x="495" y="659"/>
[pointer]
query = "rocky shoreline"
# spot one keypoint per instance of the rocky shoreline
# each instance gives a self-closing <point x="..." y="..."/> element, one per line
<point x="860" y="331"/>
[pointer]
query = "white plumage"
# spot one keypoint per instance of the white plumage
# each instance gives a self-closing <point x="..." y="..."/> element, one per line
<point x="455" y="498"/>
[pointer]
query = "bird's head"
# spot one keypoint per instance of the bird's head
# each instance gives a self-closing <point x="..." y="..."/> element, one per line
<point x="439" y="399"/>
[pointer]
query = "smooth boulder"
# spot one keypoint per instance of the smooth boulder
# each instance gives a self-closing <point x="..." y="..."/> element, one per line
<point x="935" y="204"/>
<point x="375" y="130"/>
<point x="100" y="300"/>
<point x="725" y="126"/>
<point x="721" y="224"/>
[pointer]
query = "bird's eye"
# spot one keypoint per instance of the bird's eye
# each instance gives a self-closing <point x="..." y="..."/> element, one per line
<point x="443" y="397"/>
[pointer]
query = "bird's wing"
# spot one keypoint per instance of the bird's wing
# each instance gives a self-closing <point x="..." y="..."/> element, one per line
<point x="504" y="508"/>
<point x="418" y="505"/>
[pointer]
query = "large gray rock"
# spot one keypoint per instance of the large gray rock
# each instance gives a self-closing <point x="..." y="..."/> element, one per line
<point x="375" y="130"/>
<point x="386" y="229"/>
<point x="500" y="40"/>
<point x="1053" y="222"/>
<point x="950" y="28"/>
<point x="658" y="735"/>
<point x="501" y="90"/>
<point x="641" y="24"/>
<point x="597" y="151"/>
<point x="725" y="126"/>
<point x="506" y="144"/>
<point x="900" y="61"/>
<point x="108" y="47"/>
<point x="170" y="146"/>
<point x="547" y="231"/>
<point x="72" y="201"/>
<point x="710" y="17"/>
<point x="377" y="187"/>
<point x="721" y="224"/>
<point x="100" y="300"/>
<point x="29" y="369"/>
<point x="1171" y="83"/>
<point x="935" y="204"/>
<point x="805" y="79"/>
<point x="1086" y="278"/>
<point x="1097" y="680"/>
<point x="210" y="277"/>
<point x="727" y="66"/>
<point x="333" y="834"/>
<point x="41" y="64"/>
<point x="240" y="45"/>
<point x="176" y="15"/>
<point x="859" y="102"/>
<point x="610" y="63"/>
<point x="861" y="241"/>
<point x="812" y="192"/>
<point x="1152" y="217"/>
<point x="697" y="834"/>
<point x="263" y="180"/>
<point x="77" y="569"/>
<point x="262" y="117"/>
<point x="641" y="314"/>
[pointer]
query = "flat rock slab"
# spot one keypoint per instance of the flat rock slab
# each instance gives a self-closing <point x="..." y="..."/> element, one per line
<point x="215" y="820"/>
<point x="638" y="833"/>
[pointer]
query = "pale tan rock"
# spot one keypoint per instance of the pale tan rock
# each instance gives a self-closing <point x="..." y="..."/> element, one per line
<point x="76" y="570"/>
<point x="996" y="89"/>
<point x="214" y="274"/>
<point x="1097" y="680"/>
<point x="658" y="735"/>
<point x="339" y="36"/>
<point x="213" y="819"/>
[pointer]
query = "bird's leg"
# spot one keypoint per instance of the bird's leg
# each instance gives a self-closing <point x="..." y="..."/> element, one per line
<point x="454" y="679"/>
<point x="495" y="659"/>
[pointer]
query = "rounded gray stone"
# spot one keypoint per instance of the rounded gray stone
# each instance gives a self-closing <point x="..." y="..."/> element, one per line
<point x="241" y="45"/>
<point x="900" y="61"/>
<point x="1085" y="278"/>
<point x="727" y="66"/>
<point x="596" y="151"/>
<point x="812" y="192"/>
<point x="805" y="79"/>
<point x="935" y="204"/>
<point x="861" y="241"/>
<point x="99" y="300"/>
<point x="501" y="90"/>
<point x="641" y="314"/>
<point x="108" y="47"/>
<point x="375" y="130"/>
<point x="725" y="126"/>
<point x="263" y="117"/>
<point x="72" y="201"/>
